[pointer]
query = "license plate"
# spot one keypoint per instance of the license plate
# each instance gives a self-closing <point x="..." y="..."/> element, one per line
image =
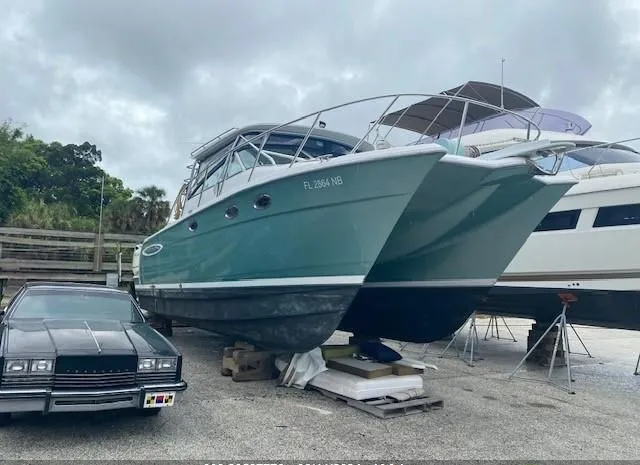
<point x="159" y="399"/>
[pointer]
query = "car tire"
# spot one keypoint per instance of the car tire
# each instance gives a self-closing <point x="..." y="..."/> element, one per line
<point x="150" y="412"/>
<point x="5" y="418"/>
<point x="167" y="328"/>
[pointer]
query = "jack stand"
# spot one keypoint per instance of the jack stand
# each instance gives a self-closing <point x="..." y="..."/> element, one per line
<point x="579" y="339"/>
<point x="493" y="323"/>
<point x="637" y="366"/>
<point x="472" y="336"/>
<point x="561" y="321"/>
<point x="403" y="345"/>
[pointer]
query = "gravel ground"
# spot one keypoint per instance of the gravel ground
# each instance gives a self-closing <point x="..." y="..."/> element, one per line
<point x="485" y="416"/>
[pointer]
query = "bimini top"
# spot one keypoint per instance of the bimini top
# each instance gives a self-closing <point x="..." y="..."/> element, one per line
<point x="547" y="119"/>
<point x="444" y="114"/>
<point x="294" y="136"/>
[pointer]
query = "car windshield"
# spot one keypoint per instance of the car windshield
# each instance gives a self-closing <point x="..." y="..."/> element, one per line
<point x="76" y="304"/>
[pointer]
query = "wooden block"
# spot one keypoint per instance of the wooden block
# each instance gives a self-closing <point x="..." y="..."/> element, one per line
<point x="362" y="368"/>
<point x="228" y="363"/>
<point x="252" y="366"/>
<point x="402" y="370"/>
<point x="338" y="350"/>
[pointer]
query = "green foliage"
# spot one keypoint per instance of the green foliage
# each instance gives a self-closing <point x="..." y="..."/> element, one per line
<point x="54" y="186"/>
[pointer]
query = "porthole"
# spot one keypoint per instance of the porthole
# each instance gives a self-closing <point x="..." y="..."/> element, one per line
<point x="231" y="212"/>
<point x="262" y="201"/>
<point x="193" y="226"/>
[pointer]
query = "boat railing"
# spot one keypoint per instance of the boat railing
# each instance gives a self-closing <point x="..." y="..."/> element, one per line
<point x="259" y="141"/>
<point x="603" y="145"/>
<point x="201" y="148"/>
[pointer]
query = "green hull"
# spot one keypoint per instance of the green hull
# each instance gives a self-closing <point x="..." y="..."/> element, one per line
<point x="465" y="223"/>
<point x="458" y="234"/>
<point x="305" y="255"/>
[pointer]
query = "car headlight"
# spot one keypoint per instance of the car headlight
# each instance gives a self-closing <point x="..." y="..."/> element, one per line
<point x="157" y="364"/>
<point x="43" y="366"/>
<point x="147" y="364"/>
<point x="16" y="366"/>
<point x="166" y="364"/>
<point x="29" y="366"/>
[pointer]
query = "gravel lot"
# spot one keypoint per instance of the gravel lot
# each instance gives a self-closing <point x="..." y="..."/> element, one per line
<point x="484" y="416"/>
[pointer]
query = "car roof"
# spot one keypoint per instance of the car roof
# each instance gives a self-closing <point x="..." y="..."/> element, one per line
<point x="72" y="285"/>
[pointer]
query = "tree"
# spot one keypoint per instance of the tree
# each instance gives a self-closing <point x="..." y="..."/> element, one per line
<point x="19" y="167"/>
<point x="55" y="186"/>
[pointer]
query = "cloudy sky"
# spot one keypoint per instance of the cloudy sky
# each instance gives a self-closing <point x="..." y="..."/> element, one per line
<point x="147" y="80"/>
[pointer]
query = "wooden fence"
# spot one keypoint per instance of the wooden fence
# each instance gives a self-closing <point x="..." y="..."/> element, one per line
<point x="41" y="254"/>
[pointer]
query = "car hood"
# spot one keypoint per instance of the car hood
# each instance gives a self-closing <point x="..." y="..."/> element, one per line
<point x="83" y="337"/>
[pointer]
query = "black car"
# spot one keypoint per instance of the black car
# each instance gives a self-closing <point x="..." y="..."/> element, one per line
<point x="67" y="347"/>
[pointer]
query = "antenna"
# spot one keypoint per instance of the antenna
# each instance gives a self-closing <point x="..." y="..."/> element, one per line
<point x="502" y="83"/>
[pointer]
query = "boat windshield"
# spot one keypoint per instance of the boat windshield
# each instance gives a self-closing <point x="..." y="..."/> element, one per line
<point x="279" y="149"/>
<point x="589" y="156"/>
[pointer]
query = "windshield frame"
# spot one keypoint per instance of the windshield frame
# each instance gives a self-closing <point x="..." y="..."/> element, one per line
<point x="135" y="316"/>
<point x="586" y="156"/>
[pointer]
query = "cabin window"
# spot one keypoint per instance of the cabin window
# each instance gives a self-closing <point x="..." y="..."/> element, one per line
<point x="617" y="215"/>
<point x="288" y="144"/>
<point x="558" y="221"/>
<point x="215" y="175"/>
<point x="247" y="156"/>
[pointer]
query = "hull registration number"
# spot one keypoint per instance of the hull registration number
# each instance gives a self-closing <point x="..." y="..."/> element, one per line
<point x="323" y="183"/>
<point x="159" y="399"/>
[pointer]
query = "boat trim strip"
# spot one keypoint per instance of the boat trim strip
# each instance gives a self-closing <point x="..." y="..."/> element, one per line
<point x="272" y="282"/>
<point x="435" y="283"/>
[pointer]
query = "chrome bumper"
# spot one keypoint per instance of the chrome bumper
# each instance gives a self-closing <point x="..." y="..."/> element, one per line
<point x="51" y="401"/>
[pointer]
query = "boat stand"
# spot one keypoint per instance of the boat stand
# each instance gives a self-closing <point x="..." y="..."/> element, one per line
<point x="471" y="336"/>
<point x="637" y="366"/>
<point x="493" y="323"/>
<point x="561" y="321"/>
<point x="403" y="345"/>
<point x="581" y="342"/>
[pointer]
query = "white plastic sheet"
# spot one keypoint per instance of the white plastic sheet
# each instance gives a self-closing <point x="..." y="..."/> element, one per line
<point x="302" y="368"/>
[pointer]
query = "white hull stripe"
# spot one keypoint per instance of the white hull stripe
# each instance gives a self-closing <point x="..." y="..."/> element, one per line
<point x="629" y="284"/>
<point x="273" y="282"/>
<point x="435" y="283"/>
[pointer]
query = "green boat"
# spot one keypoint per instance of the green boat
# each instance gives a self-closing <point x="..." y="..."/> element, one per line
<point x="272" y="249"/>
<point x="450" y="246"/>
<point x="464" y="225"/>
<point x="286" y="233"/>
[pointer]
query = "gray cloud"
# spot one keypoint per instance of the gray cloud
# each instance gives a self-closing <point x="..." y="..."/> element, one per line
<point x="147" y="80"/>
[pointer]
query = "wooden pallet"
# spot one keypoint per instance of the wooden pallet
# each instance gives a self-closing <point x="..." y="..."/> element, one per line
<point x="385" y="407"/>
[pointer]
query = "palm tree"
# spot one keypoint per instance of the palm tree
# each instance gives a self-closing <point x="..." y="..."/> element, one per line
<point x="155" y="209"/>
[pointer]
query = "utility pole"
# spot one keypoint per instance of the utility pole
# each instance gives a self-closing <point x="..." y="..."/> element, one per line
<point x="502" y="83"/>
<point x="98" y="251"/>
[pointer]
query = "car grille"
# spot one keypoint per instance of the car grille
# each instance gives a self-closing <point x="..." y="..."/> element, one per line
<point x="94" y="380"/>
<point x="25" y="382"/>
<point x="156" y="378"/>
<point x="95" y="372"/>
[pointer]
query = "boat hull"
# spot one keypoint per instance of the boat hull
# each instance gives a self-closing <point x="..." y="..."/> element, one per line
<point x="409" y="313"/>
<point x="281" y="277"/>
<point x="281" y="317"/>
<point x="596" y="264"/>
<point x="607" y="308"/>
<point x="457" y="235"/>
